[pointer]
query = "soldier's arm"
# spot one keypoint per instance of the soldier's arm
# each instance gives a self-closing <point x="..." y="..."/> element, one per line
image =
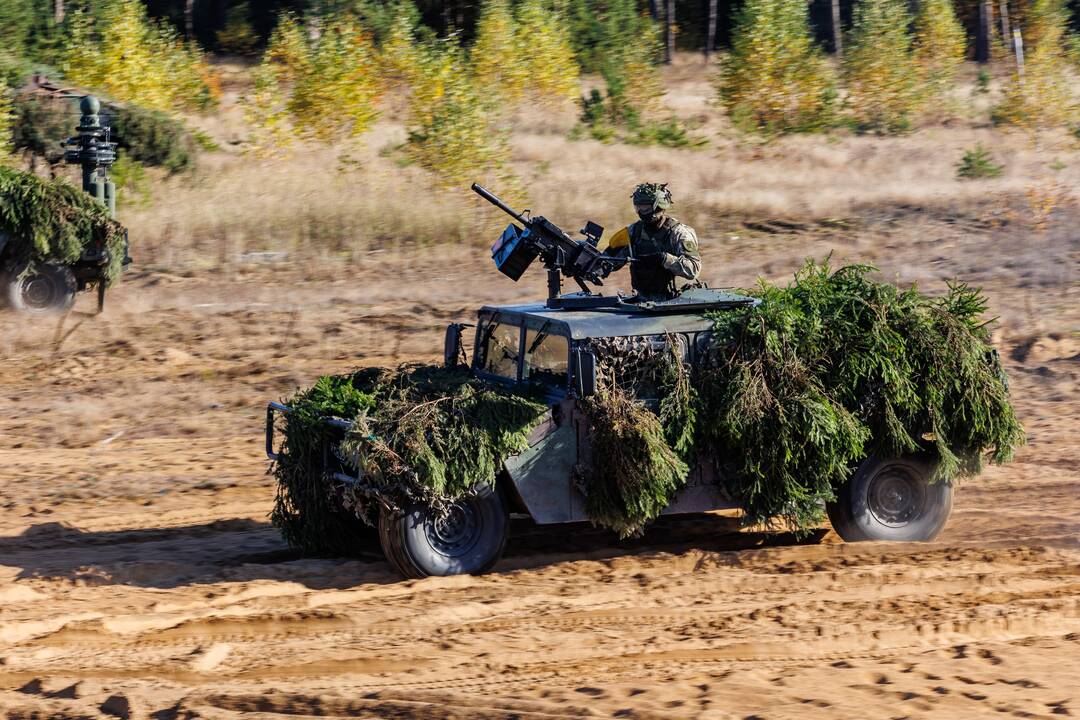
<point x="686" y="261"/>
<point x="619" y="244"/>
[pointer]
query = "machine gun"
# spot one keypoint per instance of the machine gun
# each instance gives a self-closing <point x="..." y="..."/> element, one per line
<point x="517" y="247"/>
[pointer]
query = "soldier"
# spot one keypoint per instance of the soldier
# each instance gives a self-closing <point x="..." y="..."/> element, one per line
<point x="661" y="247"/>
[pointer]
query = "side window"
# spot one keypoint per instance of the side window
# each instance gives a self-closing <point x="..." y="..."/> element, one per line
<point x="547" y="358"/>
<point x="501" y="352"/>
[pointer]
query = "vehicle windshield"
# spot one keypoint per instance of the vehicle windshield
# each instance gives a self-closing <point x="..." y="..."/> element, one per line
<point x="500" y="349"/>
<point x="547" y="358"/>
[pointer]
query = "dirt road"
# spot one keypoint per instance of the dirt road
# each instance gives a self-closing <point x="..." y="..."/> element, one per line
<point x="139" y="576"/>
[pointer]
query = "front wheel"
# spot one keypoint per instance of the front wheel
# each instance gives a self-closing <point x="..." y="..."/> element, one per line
<point x="892" y="499"/>
<point x="40" y="288"/>
<point x="466" y="538"/>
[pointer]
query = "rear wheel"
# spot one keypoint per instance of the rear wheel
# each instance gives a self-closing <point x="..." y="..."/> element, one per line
<point x="892" y="499"/>
<point x="40" y="288"/>
<point x="468" y="538"/>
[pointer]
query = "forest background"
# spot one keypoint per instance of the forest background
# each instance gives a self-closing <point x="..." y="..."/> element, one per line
<point x="339" y="128"/>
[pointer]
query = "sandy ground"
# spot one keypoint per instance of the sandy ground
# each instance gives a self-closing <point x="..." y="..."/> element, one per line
<point x="139" y="576"/>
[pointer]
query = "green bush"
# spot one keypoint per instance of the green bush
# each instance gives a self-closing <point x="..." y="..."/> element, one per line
<point x="977" y="164"/>
<point x="146" y="136"/>
<point x="153" y="138"/>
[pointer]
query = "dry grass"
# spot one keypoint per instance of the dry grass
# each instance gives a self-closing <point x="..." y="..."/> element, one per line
<point x="343" y="202"/>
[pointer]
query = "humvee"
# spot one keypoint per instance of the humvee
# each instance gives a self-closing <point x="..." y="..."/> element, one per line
<point x="547" y="350"/>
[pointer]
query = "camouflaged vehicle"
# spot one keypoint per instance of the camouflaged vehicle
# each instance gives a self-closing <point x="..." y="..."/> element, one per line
<point x="547" y="350"/>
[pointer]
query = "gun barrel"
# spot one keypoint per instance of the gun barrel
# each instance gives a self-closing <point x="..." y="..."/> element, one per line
<point x="491" y="198"/>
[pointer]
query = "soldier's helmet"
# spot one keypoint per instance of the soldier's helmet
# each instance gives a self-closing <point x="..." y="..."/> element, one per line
<point x="655" y="194"/>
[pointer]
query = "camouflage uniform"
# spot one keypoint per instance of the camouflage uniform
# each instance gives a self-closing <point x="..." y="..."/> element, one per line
<point x="661" y="253"/>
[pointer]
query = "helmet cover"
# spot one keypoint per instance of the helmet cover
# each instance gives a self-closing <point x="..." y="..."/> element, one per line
<point x="655" y="194"/>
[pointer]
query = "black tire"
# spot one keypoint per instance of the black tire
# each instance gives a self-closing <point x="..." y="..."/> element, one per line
<point x="468" y="540"/>
<point x="40" y="288"/>
<point x="892" y="499"/>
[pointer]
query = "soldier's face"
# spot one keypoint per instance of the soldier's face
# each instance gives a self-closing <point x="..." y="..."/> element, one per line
<point x="649" y="213"/>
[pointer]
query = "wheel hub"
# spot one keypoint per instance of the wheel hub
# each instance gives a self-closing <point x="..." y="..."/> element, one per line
<point x="455" y="531"/>
<point x="38" y="291"/>
<point x="895" y="497"/>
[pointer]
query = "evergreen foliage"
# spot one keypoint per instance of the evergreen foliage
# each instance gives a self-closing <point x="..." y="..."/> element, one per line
<point x="977" y="164"/>
<point x="54" y="220"/>
<point x="837" y="366"/>
<point x="145" y="136"/>
<point x="775" y="79"/>
<point x="420" y="433"/>
<point x="940" y="46"/>
<point x="789" y="397"/>
<point x="153" y="138"/>
<point x="117" y="50"/>
<point x="884" y="93"/>
<point x="600" y="30"/>
<point x="1043" y="95"/>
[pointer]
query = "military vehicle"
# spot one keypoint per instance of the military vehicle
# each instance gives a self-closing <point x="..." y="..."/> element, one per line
<point x="546" y="347"/>
<point x="50" y="286"/>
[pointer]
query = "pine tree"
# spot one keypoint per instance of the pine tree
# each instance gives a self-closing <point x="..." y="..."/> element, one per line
<point x="775" y="78"/>
<point x="884" y="93"/>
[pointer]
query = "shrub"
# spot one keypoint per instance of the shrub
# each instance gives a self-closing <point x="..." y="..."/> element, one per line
<point x="775" y="79"/>
<point x="940" y="45"/>
<point x="977" y="164"/>
<point x="119" y="51"/>
<point x="147" y="136"/>
<point x="153" y="138"/>
<point x="1042" y="96"/>
<point x="884" y="93"/>
<point x="322" y="88"/>
<point x="40" y="126"/>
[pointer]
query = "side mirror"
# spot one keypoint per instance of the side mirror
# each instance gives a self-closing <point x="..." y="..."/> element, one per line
<point x="453" y="349"/>
<point x="585" y="373"/>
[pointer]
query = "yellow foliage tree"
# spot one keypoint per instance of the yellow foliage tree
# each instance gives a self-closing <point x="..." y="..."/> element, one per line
<point x="527" y="52"/>
<point x="321" y="88"/>
<point x="1042" y="95"/>
<point x="884" y="87"/>
<point x="775" y="79"/>
<point x="119" y="51"/>
<point x="551" y="71"/>
<point x="940" y="46"/>
<point x="6" y="122"/>
<point x="451" y="132"/>
<point x="498" y="58"/>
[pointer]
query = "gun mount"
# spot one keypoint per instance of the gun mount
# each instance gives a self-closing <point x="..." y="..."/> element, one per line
<point x="562" y="255"/>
